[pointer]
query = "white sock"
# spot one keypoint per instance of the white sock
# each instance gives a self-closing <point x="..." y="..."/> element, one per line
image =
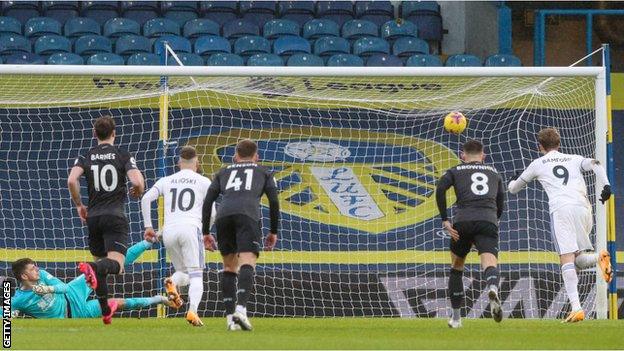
<point x="570" y="279"/>
<point x="241" y="309"/>
<point x="196" y="290"/>
<point x="229" y="318"/>
<point x="586" y="260"/>
<point x="180" y="279"/>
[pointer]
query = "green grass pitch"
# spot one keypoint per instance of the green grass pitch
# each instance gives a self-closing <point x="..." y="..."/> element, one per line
<point x="316" y="333"/>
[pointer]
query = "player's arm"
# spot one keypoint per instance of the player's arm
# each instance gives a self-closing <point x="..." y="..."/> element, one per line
<point x="135" y="176"/>
<point x="589" y="164"/>
<point x="73" y="184"/>
<point x="270" y="189"/>
<point x="146" y="210"/>
<point x="49" y="284"/>
<point x="445" y="182"/>
<point x="207" y="210"/>
<point x="522" y="180"/>
<point x="500" y="198"/>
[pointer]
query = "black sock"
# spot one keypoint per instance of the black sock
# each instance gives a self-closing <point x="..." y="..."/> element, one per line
<point x="491" y="276"/>
<point x="103" y="268"/>
<point x="228" y="287"/>
<point x="107" y="266"/>
<point x="245" y="284"/>
<point x="456" y="288"/>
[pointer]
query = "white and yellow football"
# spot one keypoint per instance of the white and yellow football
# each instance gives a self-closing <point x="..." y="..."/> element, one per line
<point x="455" y="122"/>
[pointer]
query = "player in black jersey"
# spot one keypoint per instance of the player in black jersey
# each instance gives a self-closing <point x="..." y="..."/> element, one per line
<point x="105" y="166"/>
<point x="480" y="202"/>
<point x="238" y="224"/>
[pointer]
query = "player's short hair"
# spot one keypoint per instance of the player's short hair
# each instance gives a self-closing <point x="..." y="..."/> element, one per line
<point x="473" y="147"/>
<point x="246" y="148"/>
<point x="188" y="153"/>
<point x="18" y="267"/>
<point x="549" y="138"/>
<point x="104" y="127"/>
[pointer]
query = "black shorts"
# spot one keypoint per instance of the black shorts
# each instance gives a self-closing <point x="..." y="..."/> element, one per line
<point x="238" y="233"/>
<point x="106" y="234"/>
<point x="483" y="234"/>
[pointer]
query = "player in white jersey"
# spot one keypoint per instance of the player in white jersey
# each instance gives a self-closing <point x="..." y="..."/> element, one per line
<point x="561" y="176"/>
<point x="184" y="194"/>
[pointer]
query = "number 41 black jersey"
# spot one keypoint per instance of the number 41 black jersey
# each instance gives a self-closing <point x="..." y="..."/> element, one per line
<point x="479" y="190"/>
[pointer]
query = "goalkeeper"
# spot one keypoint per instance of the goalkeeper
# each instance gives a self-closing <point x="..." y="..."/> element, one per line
<point x="42" y="295"/>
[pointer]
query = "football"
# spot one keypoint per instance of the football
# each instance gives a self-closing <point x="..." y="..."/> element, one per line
<point x="455" y="122"/>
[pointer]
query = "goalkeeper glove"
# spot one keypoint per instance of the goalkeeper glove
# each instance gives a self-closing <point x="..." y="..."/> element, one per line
<point x="43" y="289"/>
<point x="606" y="193"/>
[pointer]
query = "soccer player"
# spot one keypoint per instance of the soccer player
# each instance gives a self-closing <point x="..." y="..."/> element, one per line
<point x="105" y="166"/>
<point x="561" y="176"/>
<point x="480" y="202"/>
<point x="184" y="194"/>
<point x="238" y="224"/>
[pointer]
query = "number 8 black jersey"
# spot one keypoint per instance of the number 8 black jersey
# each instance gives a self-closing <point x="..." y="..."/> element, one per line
<point x="479" y="191"/>
<point x="105" y="167"/>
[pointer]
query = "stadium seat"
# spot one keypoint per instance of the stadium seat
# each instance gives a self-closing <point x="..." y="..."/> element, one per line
<point x="317" y="28"/>
<point x="88" y="45"/>
<point x="265" y="60"/>
<point x="383" y="60"/>
<point x="462" y="61"/>
<point x="194" y="29"/>
<point x="10" y="25"/>
<point x="131" y="44"/>
<point x="177" y="43"/>
<point x="51" y="44"/>
<point x="297" y="11"/>
<point x="368" y="46"/>
<point x="65" y="58"/>
<point x="328" y="46"/>
<point x="180" y="11"/>
<point x="502" y="60"/>
<point x="14" y="44"/>
<point x="79" y="26"/>
<point x="212" y="44"/>
<point x="24" y="59"/>
<point x="157" y="27"/>
<point x="60" y="10"/>
<point x="345" y="60"/>
<point x="378" y="12"/>
<point x="117" y="27"/>
<point x="424" y="61"/>
<point x="105" y="59"/>
<point x="280" y="27"/>
<point x="429" y="26"/>
<point x="356" y="29"/>
<point x="286" y="46"/>
<point x="258" y="12"/>
<point x="140" y="11"/>
<point x="399" y="28"/>
<point x="40" y="26"/>
<point x="143" y="59"/>
<point x="219" y="11"/>
<point x="225" y="60"/>
<point x="251" y="45"/>
<point x="21" y="10"/>
<point x="239" y="28"/>
<point x="408" y="46"/>
<point x="187" y="59"/>
<point x="337" y="11"/>
<point x="409" y="8"/>
<point x="301" y="59"/>
<point x="100" y="11"/>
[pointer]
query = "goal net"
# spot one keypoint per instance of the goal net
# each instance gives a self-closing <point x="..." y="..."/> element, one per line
<point x="356" y="158"/>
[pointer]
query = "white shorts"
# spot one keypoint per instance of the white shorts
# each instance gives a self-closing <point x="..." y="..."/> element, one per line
<point x="185" y="248"/>
<point x="570" y="227"/>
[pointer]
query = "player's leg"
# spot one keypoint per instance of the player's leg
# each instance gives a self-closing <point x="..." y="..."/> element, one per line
<point x="171" y="241"/>
<point x="136" y="303"/>
<point x="136" y="250"/>
<point x="226" y="238"/>
<point x="248" y="239"/>
<point x="194" y="261"/>
<point x="459" y="250"/>
<point x="586" y="258"/>
<point x="486" y="242"/>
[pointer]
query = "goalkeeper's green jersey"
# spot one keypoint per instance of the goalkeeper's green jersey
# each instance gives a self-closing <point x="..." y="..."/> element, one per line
<point x="42" y="306"/>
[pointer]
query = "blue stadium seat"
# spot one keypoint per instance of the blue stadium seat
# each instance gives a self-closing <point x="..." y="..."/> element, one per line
<point x="429" y="26"/>
<point x="105" y="59"/>
<point x="21" y="10"/>
<point x="368" y="46"/>
<point x="194" y="29"/>
<point x="409" y="8"/>
<point x="40" y="26"/>
<point x="378" y="12"/>
<point x="408" y="46"/>
<point x="143" y="59"/>
<point x="10" y="25"/>
<point x="286" y="46"/>
<point x="337" y="11"/>
<point x="140" y="11"/>
<point x="328" y="46"/>
<point x="305" y="60"/>
<point x="502" y="60"/>
<point x="463" y="61"/>
<point x="239" y="28"/>
<point x="279" y="28"/>
<point x="187" y="59"/>
<point x="225" y="60"/>
<point x="356" y="29"/>
<point x="14" y="44"/>
<point x="424" y="61"/>
<point x="265" y="60"/>
<point x="383" y="60"/>
<point x="79" y="26"/>
<point x="219" y="11"/>
<point x="399" y="28"/>
<point x="180" y="11"/>
<point x="212" y="44"/>
<point x="345" y="60"/>
<point x="65" y="58"/>
<point x="251" y="45"/>
<point x="25" y="59"/>
<point x="317" y="28"/>
<point x="51" y="44"/>
<point x="258" y="12"/>
<point x="157" y="27"/>
<point x="60" y="10"/>
<point x="177" y="43"/>
<point x="296" y="11"/>
<point x="88" y="45"/>
<point x="131" y="44"/>
<point x="117" y="27"/>
<point x="100" y="11"/>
